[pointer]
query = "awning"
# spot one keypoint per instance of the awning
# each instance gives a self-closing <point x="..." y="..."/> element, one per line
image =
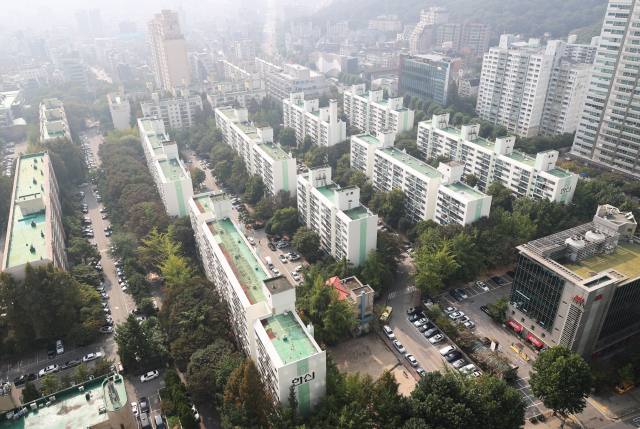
<point x="515" y="326"/>
<point x="534" y="340"/>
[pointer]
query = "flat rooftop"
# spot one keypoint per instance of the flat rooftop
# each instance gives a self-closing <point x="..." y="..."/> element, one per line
<point x="413" y="163"/>
<point x="242" y="261"/>
<point x="228" y="112"/>
<point x="27" y="233"/>
<point x="276" y="153"/>
<point x="171" y="169"/>
<point x="248" y="129"/>
<point x="461" y="188"/>
<point x="327" y="191"/>
<point x="7" y="98"/>
<point x="367" y="138"/>
<point x="296" y="345"/>
<point x="146" y="125"/>
<point x="278" y="284"/>
<point x="203" y="202"/>
<point x="521" y="159"/>
<point x="558" y="173"/>
<point x="358" y="213"/>
<point x="71" y="409"/>
<point x="624" y="259"/>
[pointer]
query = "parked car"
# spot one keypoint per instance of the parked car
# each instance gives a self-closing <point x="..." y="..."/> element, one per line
<point x="134" y="408"/>
<point x="23" y="379"/>
<point x="272" y="247"/>
<point x="459" y="363"/>
<point x="498" y="280"/>
<point x="450" y="310"/>
<point x="292" y="256"/>
<point x="436" y="339"/>
<point x="431" y="332"/>
<point x="398" y="345"/>
<point x="252" y="241"/>
<point x="149" y="376"/>
<point x="467" y="368"/>
<point x="47" y="370"/>
<point x="414" y="310"/>
<point x="486" y="341"/>
<point x="419" y="323"/>
<point x="462" y="293"/>
<point x="282" y="244"/>
<point x="412" y="361"/>
<point x="282" y="258"/>
<point x="295" y="276"/>
<point x="91" y="356"/>
<point x="51" y="351"/>
<point x="446" y="350"/>
<point x="59" y="347"/>
<point x="425" y="327"/>
<point x="71" y="363"/>
<point x="388" y="332"/>
<point x="275" y="271"/>
<point x="144" y="405"/>
<point x="485" y="310"/>
<point x="106" y="330"/>
<point x="160" y="421"/>
<point x="456" y="315"/>
<point x="453" y="356"/>
<point x="469" y="325"/>
<point x="455" y="295"/>
<point x="483" y="286"/>
<point x="421" y="372"/>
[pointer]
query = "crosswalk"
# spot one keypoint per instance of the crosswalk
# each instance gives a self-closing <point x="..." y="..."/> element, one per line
<point x="404" y="291"/>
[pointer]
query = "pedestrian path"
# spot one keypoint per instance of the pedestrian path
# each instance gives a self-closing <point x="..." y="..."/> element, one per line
<point x="402" y="292"/>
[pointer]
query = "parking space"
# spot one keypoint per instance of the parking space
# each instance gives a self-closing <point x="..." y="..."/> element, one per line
<point x="534" y="406"/>
<point x="473" y="290"/>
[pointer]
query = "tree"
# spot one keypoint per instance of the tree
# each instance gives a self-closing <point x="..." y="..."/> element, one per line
<point x="468" y="256"/>
<point x="561" y="380"/>
<point x="337" y="320"/>
<point x="307" y="242"/>
<point x="306" y="144"/>
<point x="503" y="407"/>
<point x="287" y="137"/>
<point x="632" y="188"/>
<point x="133" y="345"/>
<point x="389" y="205"/>
<point x="613" y="178"/>
<point x="284" y="221"/>
<point x="29" y="392"/>
<point x="102" y="367"/>
<point x="471" y="180"/>
<point x="375" y="273"/>
<point x="86" y="274"/>
<point x="81" y="248"/>
<point x="255" y="189"/>
<point x="223" y="170"/>
<point x="209" y="370"/>
<point x="198" y="177"/>
<point x="626" y="373"/>
<point x="252" y="392"/>
<point x="65" y="380"/>
<point x="311" y="65"/>
<point x="501" y="196"/>
<point x="50" y="383"/>
<point x="432" y="267"/>
<point x="391" y="249"/>
<point x="176" y="269"/>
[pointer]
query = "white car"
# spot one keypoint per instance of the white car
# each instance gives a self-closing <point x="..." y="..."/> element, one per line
<point x="134" y="407"/>
<point x="483" y="286"/>
<point x="149" y="376"/>
<point x="59" y="347"/>
<point x="50" y="368"/>
<point x="469" y="325"/>
<point x="295" y="276"/>
<point x="419" y="323"/>
<point x="446" y="350"/>
<point x="436" y="339"/>
<point x="456" y="315"/>
<point x="299" y="268"/>
<point x="91" y="356"/>
<point x="398" y="345"/>
<point x="467" y="368"/>
<point x="388" y="332"/>
<point x="450" y="310"/>
<point x="462" y="319"/>
<point x="282" y="258"/>
<point x="459" y="363"/>
<point x="252" y="241"/>
<point x="106" y="330"/>
<point x="281" y="244"/>
<point x="275" y="271"/>
<point x="412" y="361"/>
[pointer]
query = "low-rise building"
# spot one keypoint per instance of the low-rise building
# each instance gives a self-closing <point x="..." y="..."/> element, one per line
<point x="175" y="112"/>
<point x="579" y="288"/>
<point x="370" y="112"/>
<point x="489" y="161"/>
<point x="359" y="296"/>
<point x="332" y="64"/>
<point x="34" y="234"/>
<point x="255" y="145"/>
<point x="120" y="109"/>
<point x="308" y="119"/>
<point x="261" y="306"/>
<point x="53" y="121"/>
<point x="346" y="228"/>
<point x="171" y="177"/>
<point x="468" y="86"/>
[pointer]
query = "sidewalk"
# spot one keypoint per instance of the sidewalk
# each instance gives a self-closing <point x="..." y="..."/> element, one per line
<point x="614" y="405"/>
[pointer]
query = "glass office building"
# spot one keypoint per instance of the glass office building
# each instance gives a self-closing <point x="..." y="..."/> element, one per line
<point x="426" y="77"/>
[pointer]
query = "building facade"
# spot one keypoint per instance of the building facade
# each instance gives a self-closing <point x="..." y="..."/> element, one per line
<point x="11" y="107"/>
<point x="261" y="306"/>
<point x="370" y="112"/>
<point x="295" y="78"/>
<point x="175" y="112"/>
<point x="427" y="77"/>
<point x="332" y="64"/>
<point x="168" y="50"/>
<point x="489" y="161"/>
<point x="171" y="177"/>
<point x="385" y="23"/>
<point x="256" y="147"/>
<point x="245" y="50"/>
<point x="346" y="228"/>
<point x="53" y="121"/>
<point x="607" y="134"/>
<point x="120" y="109"/>
<point x="73" y="71"/>
<point x="34" y="234"/>
<point x="307" y="118"/>
<point x="579" y="287"/>
<point x="232" y="92"/>
<point x="465" y="34"/>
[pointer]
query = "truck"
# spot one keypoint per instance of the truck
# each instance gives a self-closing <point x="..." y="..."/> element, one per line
<point x="268" y="261"/>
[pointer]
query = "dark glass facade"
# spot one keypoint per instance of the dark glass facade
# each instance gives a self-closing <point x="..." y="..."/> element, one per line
<point x="624" y="310"/>
<point x="536" y="291"/>
<point x="425" y="79"/>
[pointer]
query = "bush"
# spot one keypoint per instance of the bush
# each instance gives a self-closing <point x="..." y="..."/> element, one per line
<point x="168" y="407"/>
<point x="173" y="422"/>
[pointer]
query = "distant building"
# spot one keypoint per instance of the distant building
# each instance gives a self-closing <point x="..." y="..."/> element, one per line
<point x="73" y="71"/>
<point x="172" y="179"/>
<point x="128" y="27"/>
<point x="386" y="23"/>
<point x="340" y="29"/>
<point x="245" y="50"/>
<point x="292" y="11"/>
<point x="332" y="64"/>
<point x="463" y="34"/>
<point x="435" y="15"/>
<point x="308" y="119"/>
<point x="96" y="23"/>
<point x="34" y="234"/>
<point x="175" y="112"/>
<point x="427" y="77"/>
<point x="369" y="111"/>
<point x="296" y="78"/>
<point x="468" y="86"/>
<point x="390" y="84"/>
<point x="346" y="228"/>
<point x="83" y="23"/>
<point x="53" y="121"/>
<point x="168" y="50"/>
<point x="11" y="107"/>
<point x="120" y="109"/>
<point x="231" y="92"/>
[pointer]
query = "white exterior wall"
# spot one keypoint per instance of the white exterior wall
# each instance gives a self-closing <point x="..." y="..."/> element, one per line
<point x="120" y="110"/>
<point x="277" y="175"/>
<point x="307" y="118"/>
<point x="465" y="210"/>
<point x="369" y="112"/>
<point x="175" y="112"/>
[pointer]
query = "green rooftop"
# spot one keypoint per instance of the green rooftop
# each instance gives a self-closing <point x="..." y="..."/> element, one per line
<point x="228" y="112"/>
<point x="558" y="173"/>
<point x="460" y="187"/>
<point x="248" y="129"/>
<point x="327" y="191"/>
<point x="276" y="153"/>
<point x="296" y="345"/>
<point x="71" y="408"/>
<point x="171" y="169"/>
<point x="146" y="125"/>
<point x="242" y="261"/>
<point x="357" y="213"/>
<point x="521" y="159"/>
<point x="413" y="163"/>
<point x="624" y="259"/>
<point x="204" y="201"/>
<point x="27" y="233"/>
<point x="382" y="103"/>
<point x="369" y="139"/>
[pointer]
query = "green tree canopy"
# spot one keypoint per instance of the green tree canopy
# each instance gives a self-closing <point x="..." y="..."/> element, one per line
<point x="284" y="221"/>
<point x="307" y="242"/>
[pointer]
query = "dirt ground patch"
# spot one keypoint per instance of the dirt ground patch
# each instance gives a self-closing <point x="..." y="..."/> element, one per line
<point x="369" y="354"/>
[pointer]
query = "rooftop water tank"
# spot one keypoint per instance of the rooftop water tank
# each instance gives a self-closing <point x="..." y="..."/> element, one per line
<point x="575" y="242"/>
<point x="595" y="236"/>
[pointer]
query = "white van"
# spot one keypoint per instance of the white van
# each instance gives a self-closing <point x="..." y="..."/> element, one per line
<point x="268" y="260"/>
<point x="447" y="350"/>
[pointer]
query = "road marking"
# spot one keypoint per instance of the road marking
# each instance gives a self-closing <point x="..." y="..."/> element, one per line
<point x="402" y="292"/>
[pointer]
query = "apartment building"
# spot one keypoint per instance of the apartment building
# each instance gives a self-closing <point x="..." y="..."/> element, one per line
<point x="261" y="306"/>
<point x="581" y="53"/>
<point x="53" y="121"/>
<point x="339" y="29"/>
<point x="32" y="71"/>
<point x="175" y="112"/>
<point x="228" y="93"/>
<point x="243" y="72"/>
<point x="607" y="134"/>
<point x="307" y="118"/>
<point x="304" y="31"/>
<point x="579" y="288"/>
<point x="34" y="233"/>
<point x="435" y="15"/>
<point x="265" y="66"/>
<point x="256" y="147"/>
<point x="73" y="71"/>
<point x="171" y="177"/>
<point x="201" y="65"/>
<point x="436" y="194"/>
<point x="427" y="77"/>
<point x="168" y="50"/>
<point x="245" y="50"/>
<point x="489" y="161"/>
<point x="465" y="34"/>
<point x="385" y="23"/>
<point x="11" y="107"/>
<point x="120" y="108"/>
<point x="346" y="228"/>
<point x="295" y="78"/>
<point x="370" y="112"/>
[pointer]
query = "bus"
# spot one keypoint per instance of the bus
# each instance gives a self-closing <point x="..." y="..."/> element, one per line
<point x="386" y="315"/>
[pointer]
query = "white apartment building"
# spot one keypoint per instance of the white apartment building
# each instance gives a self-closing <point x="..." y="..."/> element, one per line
<point x="34" y="234"/>
<point x="370" y="112"/>
<point x="346" y="227"/>
<point x="256" y="147"/>
<point x="245" y="50"/>
<point x="304" y="31"/>
<point x="385" y="23"/>
<point x="171" y="177"/>
<point x="32" y="71"/>
<point x="242" y="72"/>
<point x="168" y="50"/>
<point x="436" y="194"/>
<point x="489" y="161"/>
<point x="339" y="29"/>
<point x="585" y="54"/>
<point x="120" y="109"/>
<point x="73" y="71"/>
<point x="228" y="93"/>
<point x="175" y="112"/>
<point x="295" y="78"/>
<point x="53" y="121"/>
<point x="307" y="118"/>
<point x="261" y="306"/>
